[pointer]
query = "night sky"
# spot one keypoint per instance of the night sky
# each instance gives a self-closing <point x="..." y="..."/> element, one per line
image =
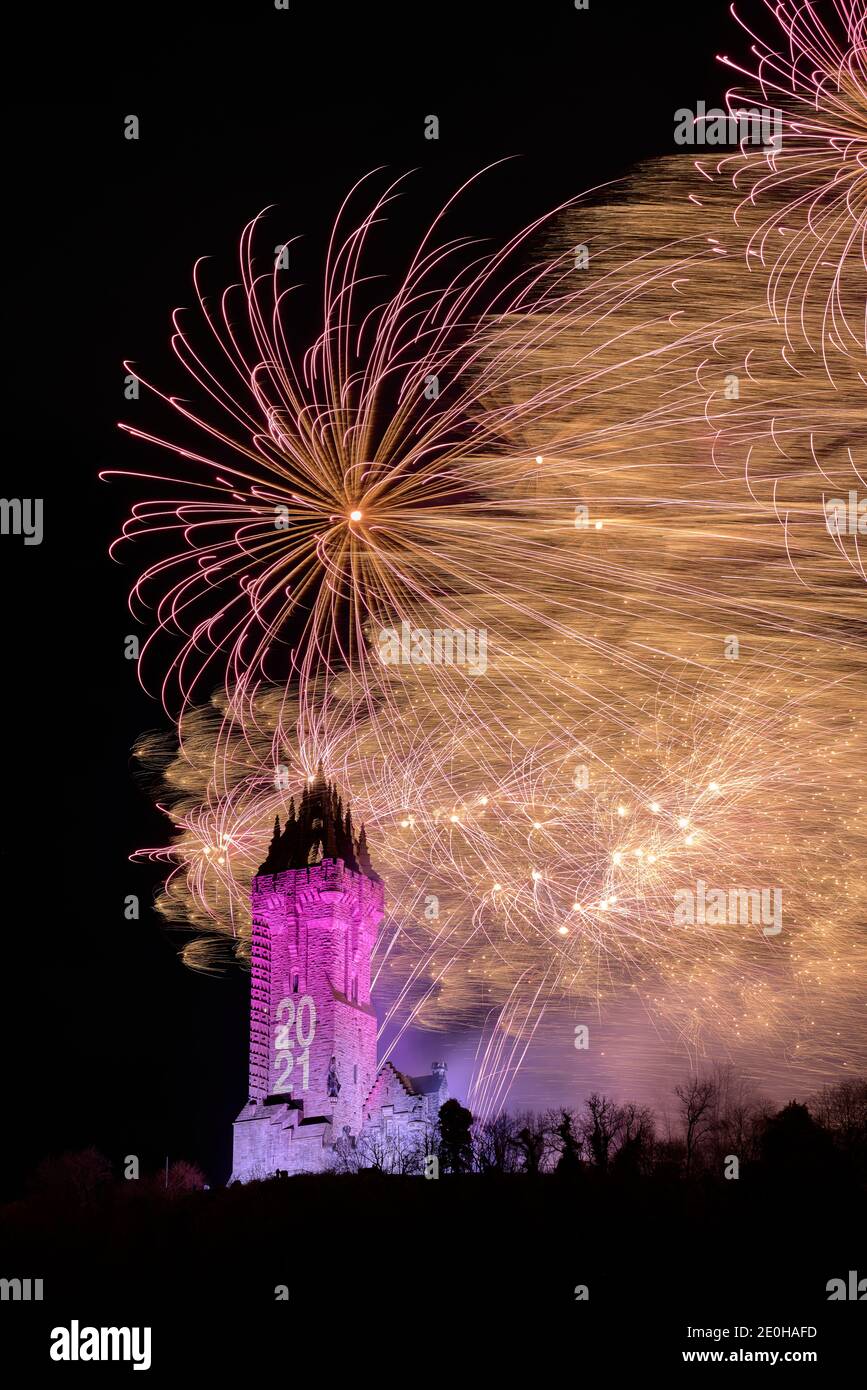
<point x="111" y="1041"/>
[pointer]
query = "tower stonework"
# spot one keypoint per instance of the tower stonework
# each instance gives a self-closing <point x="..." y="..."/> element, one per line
<point x="313" y="1030"/>
<point x="314" y="1089"/>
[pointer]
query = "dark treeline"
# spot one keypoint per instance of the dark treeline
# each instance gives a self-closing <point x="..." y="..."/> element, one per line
<point x="716" y="1126"/>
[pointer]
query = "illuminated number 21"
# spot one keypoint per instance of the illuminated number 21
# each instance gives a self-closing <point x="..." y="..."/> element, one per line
<point x="283" y="1042"/>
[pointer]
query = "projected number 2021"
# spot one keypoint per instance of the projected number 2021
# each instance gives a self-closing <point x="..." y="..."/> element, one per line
<point x="295" y="1027"/>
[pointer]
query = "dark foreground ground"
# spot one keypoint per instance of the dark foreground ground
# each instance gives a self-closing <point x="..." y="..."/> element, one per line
<point x="413" y="1280"/>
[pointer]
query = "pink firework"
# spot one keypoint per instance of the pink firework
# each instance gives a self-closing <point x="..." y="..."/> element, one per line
<point x="341" y="485"/>
<point x="806" y="196"/>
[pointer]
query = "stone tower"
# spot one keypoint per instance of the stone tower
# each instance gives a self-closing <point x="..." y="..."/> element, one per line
<point x="316" y="905"/>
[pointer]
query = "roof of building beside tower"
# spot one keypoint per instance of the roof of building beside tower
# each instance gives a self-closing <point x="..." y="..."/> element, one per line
<point x="429" y="1085"/>
<point x="319" y="829"/>
<point x="432" y="1084"/>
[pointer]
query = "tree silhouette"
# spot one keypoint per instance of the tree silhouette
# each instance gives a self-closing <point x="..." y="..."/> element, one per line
<point x="697" y="1098"/>
<point x="569" y="1162"/>
<point x="494" y="1149"/>
<point x="600" y="1128"/>
<point x="455" y="1145"/>
<point x="182" y="1177"/>
<point x="77" y="1179"/>
<point x="842" y="1111"/>
<point x="530" y="1143"/>
<point x="795" y="1147"/>
<point x="637" y="1139"/>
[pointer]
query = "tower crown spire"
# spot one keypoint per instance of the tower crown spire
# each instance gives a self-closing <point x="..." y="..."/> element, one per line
<point x="321" y="830"/>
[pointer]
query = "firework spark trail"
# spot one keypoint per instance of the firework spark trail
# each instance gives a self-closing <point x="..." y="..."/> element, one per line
<point x="812" y="190"/>
<point x="502" y="1049"/>
<point x="800" y="216"/>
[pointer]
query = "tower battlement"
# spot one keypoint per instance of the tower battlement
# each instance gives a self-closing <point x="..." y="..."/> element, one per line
<point x="329" y="880"/>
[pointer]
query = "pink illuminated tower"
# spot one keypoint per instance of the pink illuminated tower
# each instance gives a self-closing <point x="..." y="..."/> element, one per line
<point x="316" y="904"/>
<point x="315" y="1093"/>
